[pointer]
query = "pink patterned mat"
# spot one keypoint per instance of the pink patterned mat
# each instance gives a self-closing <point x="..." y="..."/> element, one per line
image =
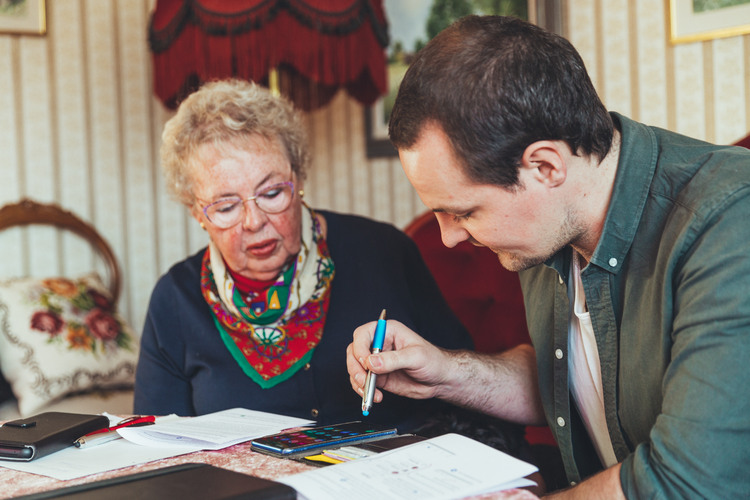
<point x="238" y="458"/>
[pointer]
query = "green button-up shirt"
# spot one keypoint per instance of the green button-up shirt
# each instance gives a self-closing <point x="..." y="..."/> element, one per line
<point x="668" y="292"/>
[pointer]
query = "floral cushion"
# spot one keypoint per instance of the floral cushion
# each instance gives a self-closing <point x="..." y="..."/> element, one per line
<point x="60" y="336"/>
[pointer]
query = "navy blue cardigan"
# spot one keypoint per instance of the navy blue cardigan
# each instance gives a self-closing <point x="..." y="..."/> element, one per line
<point x="184" y="367"/>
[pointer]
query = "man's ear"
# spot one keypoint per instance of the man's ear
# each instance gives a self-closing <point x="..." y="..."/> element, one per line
<point x="545" y="162"/>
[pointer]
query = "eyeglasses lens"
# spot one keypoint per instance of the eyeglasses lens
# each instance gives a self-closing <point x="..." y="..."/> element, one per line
<point x="228" y="212"/>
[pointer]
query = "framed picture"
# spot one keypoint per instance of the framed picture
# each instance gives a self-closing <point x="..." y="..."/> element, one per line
<point x="407" y="25"/>
<point x="695" y="20"/>
<point x="412" y="23"/>
<point x="23" y="17"/>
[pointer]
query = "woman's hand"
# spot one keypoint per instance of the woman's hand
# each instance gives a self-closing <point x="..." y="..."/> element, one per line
<point x="408" y="365"/>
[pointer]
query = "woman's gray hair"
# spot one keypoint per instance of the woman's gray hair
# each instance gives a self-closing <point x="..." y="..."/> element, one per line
<point x="228" y="112"/>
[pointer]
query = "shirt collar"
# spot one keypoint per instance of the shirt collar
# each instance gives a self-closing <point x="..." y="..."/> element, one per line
<point x="635" y="170"/>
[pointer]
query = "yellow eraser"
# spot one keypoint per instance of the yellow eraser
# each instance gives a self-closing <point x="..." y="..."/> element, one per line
<point x="323" y="458"/>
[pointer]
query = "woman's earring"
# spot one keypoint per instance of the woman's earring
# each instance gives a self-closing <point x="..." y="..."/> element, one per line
<point x="301" y="193"/>
<point x="203" y="226"/>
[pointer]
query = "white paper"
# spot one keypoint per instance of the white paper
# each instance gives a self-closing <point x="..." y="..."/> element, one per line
<point x="213" y="431"/>
<point x="445" y="467"/>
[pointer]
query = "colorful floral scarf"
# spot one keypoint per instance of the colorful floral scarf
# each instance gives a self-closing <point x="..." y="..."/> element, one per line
<point x="272" y="346"/>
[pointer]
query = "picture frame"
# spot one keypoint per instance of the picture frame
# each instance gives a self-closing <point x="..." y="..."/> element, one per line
<point x="545" y="13"/>
<point x="376" y="133"/>
<point x="700" y="20"/>
<point x="406" y="20"/>
<point x="23" y="17"/>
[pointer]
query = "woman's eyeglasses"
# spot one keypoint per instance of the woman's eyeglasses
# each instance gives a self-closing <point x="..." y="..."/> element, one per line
<point x="230" y="211"/>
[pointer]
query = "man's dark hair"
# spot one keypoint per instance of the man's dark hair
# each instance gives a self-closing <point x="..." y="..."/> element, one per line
<point x="495" y="85"/>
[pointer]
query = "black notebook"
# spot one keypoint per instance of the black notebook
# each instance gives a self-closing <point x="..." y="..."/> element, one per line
<point x="33" y="437"/>
<point x="185" y="482"/>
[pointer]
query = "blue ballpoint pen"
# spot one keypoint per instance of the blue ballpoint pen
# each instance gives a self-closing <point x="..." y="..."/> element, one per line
<point x="377" y="346"/>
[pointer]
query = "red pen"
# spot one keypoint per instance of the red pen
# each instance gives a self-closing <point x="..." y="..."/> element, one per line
<point x="110" y="433"/>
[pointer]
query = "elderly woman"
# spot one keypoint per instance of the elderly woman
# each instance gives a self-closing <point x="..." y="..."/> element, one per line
<point x="261" y="318"/>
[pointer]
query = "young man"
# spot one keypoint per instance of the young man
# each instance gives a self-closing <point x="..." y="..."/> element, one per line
<point x="632" y="247"/>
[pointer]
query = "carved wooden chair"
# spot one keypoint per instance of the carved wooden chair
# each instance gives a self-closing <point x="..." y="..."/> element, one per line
<point x="63" y="345"/>
<point x="27" y="211"/>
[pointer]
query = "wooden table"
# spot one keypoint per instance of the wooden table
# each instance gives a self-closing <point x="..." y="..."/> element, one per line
<point x="238" y="458"/>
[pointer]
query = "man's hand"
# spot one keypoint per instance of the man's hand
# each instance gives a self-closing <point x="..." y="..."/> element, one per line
<point x="499" y="384"/>
<point x="409" y="365"/>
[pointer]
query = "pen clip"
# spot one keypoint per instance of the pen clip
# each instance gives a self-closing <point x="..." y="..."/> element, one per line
<point x="133" y="420"/>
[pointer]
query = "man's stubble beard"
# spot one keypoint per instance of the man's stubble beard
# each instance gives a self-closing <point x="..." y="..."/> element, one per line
<point x="570" y="230"/>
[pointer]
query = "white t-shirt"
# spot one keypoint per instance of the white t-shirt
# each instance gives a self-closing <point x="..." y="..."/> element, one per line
<point x="584" y="368"/>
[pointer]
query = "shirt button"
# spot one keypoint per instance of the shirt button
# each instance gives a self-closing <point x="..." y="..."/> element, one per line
<point x="613" y="262"/>
<point x="561" y="421"/>
<point x="314" y="413"/>
<point x="306" y="367"/>
<point x="558" y="353"/>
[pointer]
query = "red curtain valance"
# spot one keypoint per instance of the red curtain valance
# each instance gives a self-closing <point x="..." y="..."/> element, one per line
<point x="317" y="46"/>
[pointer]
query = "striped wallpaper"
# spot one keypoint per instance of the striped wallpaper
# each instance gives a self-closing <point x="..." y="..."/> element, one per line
<point x="81" y="128"/>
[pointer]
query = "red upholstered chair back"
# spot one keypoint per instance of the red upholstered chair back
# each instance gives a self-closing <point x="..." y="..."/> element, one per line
<point x="744" y="142"/>
<point x="485" y="296"/>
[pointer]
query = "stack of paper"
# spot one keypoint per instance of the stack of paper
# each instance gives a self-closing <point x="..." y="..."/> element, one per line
<point x="213" y="431"/>
<point x="445" y="467"/>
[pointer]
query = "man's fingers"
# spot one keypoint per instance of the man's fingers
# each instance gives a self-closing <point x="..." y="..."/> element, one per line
<point x="362" y="340"/>
<point x="390" y="361"/>
<point x="355" y="367"/>
<point x="357" y="382"/>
